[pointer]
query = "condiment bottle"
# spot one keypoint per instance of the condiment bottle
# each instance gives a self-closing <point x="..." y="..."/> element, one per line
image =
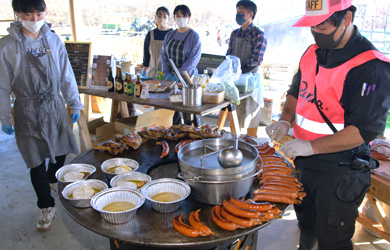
<point x="130" y="86"/>
<point x="119" y="81"/>
<point x="138" y="86"/>
<point x="126" y="83"/>
<point x="110" y="81"/>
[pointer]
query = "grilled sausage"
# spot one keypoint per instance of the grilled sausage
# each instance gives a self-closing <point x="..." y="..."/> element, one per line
<point x="276" y="163"/>
<point x="282" y="185"/>
<point x="272" y="158"/>
<point x="276" y="171"/>
<point x="240" y="212"/>
<point x="165" y="148"/>
<point x="290" y="193"/>
<point x="260" y="207"/>
<point x="221" y="222"/>
<point x="182" y="144"/>
<point x="276" y="198"/>
<point x="195" y="222"/>
<point x="279" y="167"/>
<point x="239" y="221"/>
<point x="266" y="177"/>
<point x="276" y="212"/>
<point x="185" y="229"/>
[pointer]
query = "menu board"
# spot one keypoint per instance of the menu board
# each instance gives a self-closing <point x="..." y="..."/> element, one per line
<point x="79" y="54"/>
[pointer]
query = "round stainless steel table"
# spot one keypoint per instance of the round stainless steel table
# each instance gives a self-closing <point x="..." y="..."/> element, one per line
<point x="151" y="229"/>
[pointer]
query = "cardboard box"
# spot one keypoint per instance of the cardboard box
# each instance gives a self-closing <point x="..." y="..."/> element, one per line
<point x="100" y="131"/>
<point x="160" y="117"/>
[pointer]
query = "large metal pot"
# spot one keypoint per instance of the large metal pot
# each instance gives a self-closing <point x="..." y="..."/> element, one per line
<point x="211" y="183"/>
<point x="214" y="192"/>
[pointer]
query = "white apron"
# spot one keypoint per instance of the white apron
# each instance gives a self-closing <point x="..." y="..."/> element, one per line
<point x="155" y="55"/>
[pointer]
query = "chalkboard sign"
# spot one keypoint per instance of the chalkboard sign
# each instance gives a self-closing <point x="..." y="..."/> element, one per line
<point x="79" y="54"/>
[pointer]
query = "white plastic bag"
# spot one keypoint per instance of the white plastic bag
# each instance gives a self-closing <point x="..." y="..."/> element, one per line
<point x="227" y="73"/>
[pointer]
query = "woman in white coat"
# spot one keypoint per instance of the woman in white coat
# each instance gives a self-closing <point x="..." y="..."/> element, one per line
<point x="34" y="65"/>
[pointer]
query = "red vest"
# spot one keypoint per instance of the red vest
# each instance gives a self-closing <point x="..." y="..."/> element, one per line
<point x="309" y="124"/>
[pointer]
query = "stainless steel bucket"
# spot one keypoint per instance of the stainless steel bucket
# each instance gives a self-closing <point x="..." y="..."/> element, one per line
<point x="192" y="96"/>
<point x="214" y="192"/>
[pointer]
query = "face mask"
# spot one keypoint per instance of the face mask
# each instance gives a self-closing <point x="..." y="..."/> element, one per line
<point x="182" y="22"/>
<point x="240" y="19"/>
<point x="31" y="26"/>
<point x="326" y="41"/>
<point x="162" y="23"/>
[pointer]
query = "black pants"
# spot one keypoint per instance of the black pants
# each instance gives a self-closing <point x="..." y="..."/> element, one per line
<point x="40" y="179"/>
<point x="325" y="221"/>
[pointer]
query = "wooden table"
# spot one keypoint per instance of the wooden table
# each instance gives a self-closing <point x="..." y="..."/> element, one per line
<point x="379" y="190"/>
<point x="158" y="100"/>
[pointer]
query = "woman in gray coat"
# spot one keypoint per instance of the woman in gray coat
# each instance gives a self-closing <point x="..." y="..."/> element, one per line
<point x="34" y="65"/>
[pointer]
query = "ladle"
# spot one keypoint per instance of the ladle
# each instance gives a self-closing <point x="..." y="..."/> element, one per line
<point x="230" y="157"/>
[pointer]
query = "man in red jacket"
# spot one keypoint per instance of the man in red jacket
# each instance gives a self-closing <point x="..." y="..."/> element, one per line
<point x="338" y="101"/>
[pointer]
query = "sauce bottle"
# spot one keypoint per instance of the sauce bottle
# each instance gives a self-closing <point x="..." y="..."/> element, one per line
<point x="119" y="81"/>
<point x="138" y="86"/>
<point x="130" y="86"/>
<point x="110" y="81"/>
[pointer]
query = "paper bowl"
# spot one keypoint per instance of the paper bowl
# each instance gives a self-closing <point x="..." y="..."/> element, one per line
<point x="166" y="185"/>
<point x="121" y="179"/>
<point x="82" y="203"/>
<point x="106" y="165"/>
<point x="105" y="197"/>
<point x="78" y="167"/>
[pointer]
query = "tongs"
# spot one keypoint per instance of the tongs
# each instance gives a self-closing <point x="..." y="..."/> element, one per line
<point x="177" y="73"/>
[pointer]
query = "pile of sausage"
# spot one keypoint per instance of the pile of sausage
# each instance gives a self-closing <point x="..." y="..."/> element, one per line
<point x="277" y="183"/>
<point x="194" y="229"/>
<point x="234" y="214"/>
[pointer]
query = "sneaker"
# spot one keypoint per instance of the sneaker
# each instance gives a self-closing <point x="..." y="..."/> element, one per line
<point x="45" y="218"/>
<point x="53" y="186"/>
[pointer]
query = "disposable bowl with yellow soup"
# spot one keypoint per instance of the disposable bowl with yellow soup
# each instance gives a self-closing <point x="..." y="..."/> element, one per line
<point x="117" y="205"/>
<point x="133" y="180"/>
<point x="115" y="166"/>
<point x="166" y="195"/>
<point x="79" y="193"/>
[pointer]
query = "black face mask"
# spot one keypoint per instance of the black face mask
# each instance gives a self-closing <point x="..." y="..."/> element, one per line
<point x="326" y="41"/>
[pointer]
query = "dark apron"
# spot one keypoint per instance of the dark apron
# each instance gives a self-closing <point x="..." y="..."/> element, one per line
<point x="249" y="111"/>
<point x="41" y="122"/>
<point x="175" y="51"/>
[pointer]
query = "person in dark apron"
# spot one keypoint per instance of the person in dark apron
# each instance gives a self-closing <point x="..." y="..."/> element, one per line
<point x="183" y="46"/>
<point x="153" y="43"/>
<point x="334" y="118"/>
<point x="249" y="44"/>
<point x="37" y="70"/>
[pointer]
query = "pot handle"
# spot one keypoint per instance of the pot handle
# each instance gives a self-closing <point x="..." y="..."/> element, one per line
<point x="193" y="179"/>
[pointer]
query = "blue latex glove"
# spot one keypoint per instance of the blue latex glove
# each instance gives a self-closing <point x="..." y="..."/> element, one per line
<point x="171" y="77"/>
<point x="7" y="129"/>
<point x="75" y="115"/>
<point x="143" y="74"/>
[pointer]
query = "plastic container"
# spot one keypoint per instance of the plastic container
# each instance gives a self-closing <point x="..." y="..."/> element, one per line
<point x="213" y="97"/>
<point x="243" y="83"/>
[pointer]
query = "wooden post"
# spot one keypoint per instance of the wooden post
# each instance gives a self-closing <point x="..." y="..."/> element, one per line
<point x="124" y="110"/>
<point x="85" y="139"/>
<point x="114" y="110"/>
<point x="73" y="20"/>
<point x="222" y="118"/>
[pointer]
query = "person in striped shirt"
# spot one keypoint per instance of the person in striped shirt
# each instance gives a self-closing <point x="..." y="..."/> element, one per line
<point x="249" y="44"/>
